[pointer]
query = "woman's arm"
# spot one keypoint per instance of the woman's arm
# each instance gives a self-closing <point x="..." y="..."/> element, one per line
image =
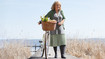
<point x="60" y="23"/>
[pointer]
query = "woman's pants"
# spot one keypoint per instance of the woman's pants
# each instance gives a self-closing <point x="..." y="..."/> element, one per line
<point x="62" y="50"/>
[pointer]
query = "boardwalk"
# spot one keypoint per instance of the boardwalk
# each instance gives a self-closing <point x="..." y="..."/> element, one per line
<point x="51" y="55"/>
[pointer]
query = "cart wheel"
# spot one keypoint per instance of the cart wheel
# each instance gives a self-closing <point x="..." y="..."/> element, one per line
<point x="42" y="53"/>
<point x="45" y="48"/>
<point x="46" y="45"/>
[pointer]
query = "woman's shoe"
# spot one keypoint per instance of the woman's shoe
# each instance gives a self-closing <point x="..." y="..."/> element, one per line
<point x="62" y="56"/>
<point x="55" y="56"/>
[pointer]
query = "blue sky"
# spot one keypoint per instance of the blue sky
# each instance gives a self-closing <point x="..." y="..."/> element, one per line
<point x="84" y="18"/>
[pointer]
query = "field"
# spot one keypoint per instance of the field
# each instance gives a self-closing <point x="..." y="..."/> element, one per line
<point x="84" y="49"/>
<point x="14" y="51"/>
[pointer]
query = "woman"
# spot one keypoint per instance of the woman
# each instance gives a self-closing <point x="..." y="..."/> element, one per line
<point x="57" y="37"/>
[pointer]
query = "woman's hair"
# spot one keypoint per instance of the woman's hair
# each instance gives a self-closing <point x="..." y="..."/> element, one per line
<point x="53" y="6"/>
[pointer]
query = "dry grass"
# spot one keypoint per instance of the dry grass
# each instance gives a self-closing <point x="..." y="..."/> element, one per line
<point x="86" y="49"/>
<point x="14" y="51"/>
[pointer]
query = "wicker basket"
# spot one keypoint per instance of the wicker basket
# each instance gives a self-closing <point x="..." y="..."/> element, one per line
<point x="48" y="26"/>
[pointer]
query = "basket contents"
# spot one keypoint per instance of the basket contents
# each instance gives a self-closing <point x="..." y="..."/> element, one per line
<point x="47" y="24"/>
<point x="46" y="19"/>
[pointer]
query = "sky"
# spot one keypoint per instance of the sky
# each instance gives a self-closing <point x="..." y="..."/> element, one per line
<point x="19" y="18"/>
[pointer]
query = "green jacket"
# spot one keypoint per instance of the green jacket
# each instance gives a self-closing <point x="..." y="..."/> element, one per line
<point x="50" y="14"/>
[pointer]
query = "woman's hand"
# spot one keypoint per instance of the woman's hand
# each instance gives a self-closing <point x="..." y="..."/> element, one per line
<point x="59" y="23"/>
<point x="39" y="23"/>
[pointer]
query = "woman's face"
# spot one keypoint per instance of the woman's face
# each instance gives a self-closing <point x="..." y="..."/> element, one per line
<point x="57" y="6"/>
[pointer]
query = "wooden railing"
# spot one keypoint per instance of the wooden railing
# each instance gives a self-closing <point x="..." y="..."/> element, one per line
<point x="36" y="46"/>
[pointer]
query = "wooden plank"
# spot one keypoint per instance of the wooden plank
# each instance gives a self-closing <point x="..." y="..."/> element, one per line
<point x="44" y="58"/>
